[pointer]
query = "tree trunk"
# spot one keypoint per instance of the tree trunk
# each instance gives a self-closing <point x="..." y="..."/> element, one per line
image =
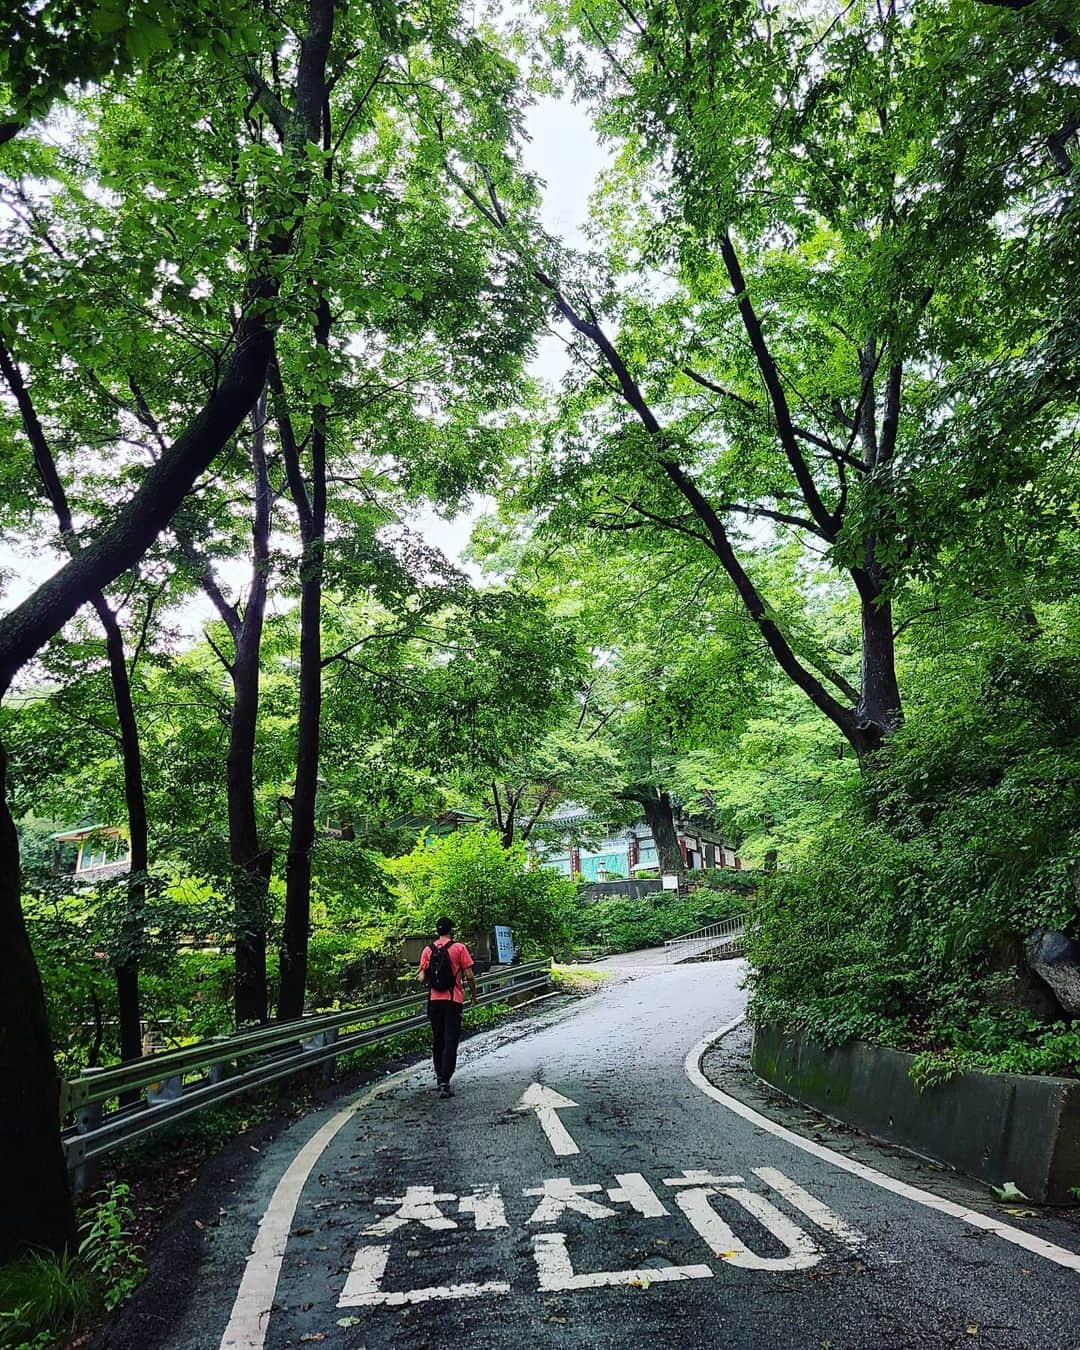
<point x="879" y="710"/>
<point x="294" y="951"/>
<point x="36" y="1209"/>
<point x="311" y="509"/>
<point x="127" y="967"/>
<point x="251" y="863"/>
<point x="509" y="820"/>
<point x="660" y="817"/>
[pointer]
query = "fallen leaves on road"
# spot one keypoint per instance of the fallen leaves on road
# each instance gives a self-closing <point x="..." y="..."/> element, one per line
<point x="972" y="1328"/>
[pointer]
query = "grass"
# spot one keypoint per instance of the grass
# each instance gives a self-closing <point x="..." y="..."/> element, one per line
<point x="44" y="1296"/>
<point x="575" y="979"/>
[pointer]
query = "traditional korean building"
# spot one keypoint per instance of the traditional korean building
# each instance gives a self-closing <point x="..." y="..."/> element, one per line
<point x="91" y="853"/>
<point x="602" y="853"/>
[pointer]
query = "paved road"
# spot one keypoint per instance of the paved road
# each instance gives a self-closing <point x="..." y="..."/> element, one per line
<point x="646" y="1211"/>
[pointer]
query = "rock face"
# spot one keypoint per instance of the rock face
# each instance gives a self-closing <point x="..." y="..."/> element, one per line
<point x="1056" y="958"/>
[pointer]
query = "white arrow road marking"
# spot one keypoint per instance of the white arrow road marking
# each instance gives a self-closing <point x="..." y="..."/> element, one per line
<point x="362" y="1287"/>
<point x="546" y="1102"/>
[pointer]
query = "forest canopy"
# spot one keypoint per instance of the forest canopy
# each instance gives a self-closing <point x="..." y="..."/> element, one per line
<point x="786" y="540"/>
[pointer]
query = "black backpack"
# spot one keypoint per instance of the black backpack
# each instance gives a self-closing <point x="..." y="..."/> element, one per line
<point x="440" y="971"/>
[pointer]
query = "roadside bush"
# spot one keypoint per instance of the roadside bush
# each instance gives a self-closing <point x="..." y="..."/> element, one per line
<point x="625" y="924"/>
<point x="44" y="1297"/>
<point x="471" y="877"/>
<point x="904" y="918"/>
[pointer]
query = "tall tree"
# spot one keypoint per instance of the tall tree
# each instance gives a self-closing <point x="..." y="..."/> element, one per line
<point x="38" y="1207"/>
<point x="127" y="968"/>
<point x="788" y="177"/>
<point x="251" y="858"/>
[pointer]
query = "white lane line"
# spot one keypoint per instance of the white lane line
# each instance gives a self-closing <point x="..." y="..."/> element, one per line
<point x="546" y="1102"/>
<point x="1036" y="1245"/>
<point x="251" y="1311"/>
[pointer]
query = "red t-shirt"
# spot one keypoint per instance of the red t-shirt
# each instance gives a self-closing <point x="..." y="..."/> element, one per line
<point x="459" y="959"/>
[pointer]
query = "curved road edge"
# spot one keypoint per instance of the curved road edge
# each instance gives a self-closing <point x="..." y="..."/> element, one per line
<point x="1050" y="1251"/>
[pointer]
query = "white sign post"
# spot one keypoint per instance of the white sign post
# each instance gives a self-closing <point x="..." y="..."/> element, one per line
<point x="504" y="944"/>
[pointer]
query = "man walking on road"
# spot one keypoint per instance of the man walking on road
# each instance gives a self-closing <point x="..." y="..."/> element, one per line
<point x="442" y="964"/>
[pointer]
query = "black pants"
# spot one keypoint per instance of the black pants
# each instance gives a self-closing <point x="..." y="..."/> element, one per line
<point x="445" y="1017"/>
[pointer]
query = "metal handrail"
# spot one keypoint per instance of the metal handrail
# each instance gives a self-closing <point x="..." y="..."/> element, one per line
<point x="726" y="933"/>
<point x="289" y="1048"/>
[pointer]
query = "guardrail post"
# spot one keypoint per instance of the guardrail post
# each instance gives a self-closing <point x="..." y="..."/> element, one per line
<point x="330" y="1066"/>
<point x="223" y="1068"/>
<point x="87" y="1118"/>
<point x="166" y="1090"/>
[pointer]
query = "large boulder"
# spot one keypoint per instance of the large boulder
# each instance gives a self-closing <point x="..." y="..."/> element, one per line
<point x="1055" y="957"/>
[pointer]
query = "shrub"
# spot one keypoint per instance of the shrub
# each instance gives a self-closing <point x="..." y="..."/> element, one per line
<point x="625" y="924"/>
<point x="44" y="1297"/>
<point x="903" y="919"/>
<point x="472" y="878"/>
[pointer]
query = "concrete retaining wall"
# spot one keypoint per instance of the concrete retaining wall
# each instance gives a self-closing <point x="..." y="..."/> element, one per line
<point x="997" y="1127"/>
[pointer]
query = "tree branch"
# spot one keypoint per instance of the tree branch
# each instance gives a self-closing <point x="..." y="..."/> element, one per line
<point x="775" y="387"/>
<point x="803" y="433"/>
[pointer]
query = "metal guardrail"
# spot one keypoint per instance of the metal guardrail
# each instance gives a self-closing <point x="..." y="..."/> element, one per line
<point x="728" y="936"/>
<point x="226" y="1066"/>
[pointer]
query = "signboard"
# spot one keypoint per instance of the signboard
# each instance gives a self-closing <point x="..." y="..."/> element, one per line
<point x="504" y="944"/>
<point x="670" y="881"/>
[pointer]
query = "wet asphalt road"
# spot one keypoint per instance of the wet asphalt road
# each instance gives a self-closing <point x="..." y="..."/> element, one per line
<point x="727" y="1259"/>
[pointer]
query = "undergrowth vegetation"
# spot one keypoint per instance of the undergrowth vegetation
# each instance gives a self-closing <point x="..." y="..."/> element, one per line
<point x="624" y="924"/>
<point x="905" y="918"/>
<point x="45" y="1296"/>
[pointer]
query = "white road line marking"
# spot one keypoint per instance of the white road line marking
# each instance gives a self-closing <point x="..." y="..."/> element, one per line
<point x="695" y="1177"/>
<point x="362" y="1287"/>
<point x="814" y="1209"/>
<point x="1036" y="1245"/>
<point x="561" y="1194"/>
<point x="635" y="1191"/>
<point x="254" y="1299"/>
<point x="546" y="1102"/>
<point x="556" y="1272"/>
<point x="802" y="1251"/>
<point x="486" y="1206"/>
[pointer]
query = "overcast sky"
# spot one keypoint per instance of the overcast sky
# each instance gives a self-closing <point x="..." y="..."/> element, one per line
<point x="564" y="151"/>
